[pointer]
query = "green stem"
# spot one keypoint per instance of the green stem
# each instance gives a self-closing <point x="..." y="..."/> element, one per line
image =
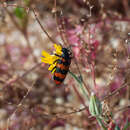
<point x="101" y="123"/>
<point x="80" y="83"/>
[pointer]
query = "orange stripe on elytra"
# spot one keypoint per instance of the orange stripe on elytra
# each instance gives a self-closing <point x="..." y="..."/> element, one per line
<point x="59" y="75"/>
<point x="57" y="82"/>
<point x="63" y="60"/>
<point x="62" y="67"/>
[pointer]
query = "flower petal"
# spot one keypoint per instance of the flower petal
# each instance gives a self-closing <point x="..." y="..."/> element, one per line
<point x="51" y="68"/>
<point x="45" y="54"/>
<point x="53" y="71"/>
<point x="52" y="59"/>
<point x="58" y="49"/>
<point x="46" y="60"/>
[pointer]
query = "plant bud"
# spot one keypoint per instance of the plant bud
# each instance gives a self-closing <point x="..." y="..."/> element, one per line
<point x="95" y="107"/>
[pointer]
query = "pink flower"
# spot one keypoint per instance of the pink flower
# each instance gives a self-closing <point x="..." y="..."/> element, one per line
<point x="73" y="36"/>
<point x="94" y="47"/>
<point x="76" y="51"/>
<point x="111" y="126"/>
<point x="74" y="40"/>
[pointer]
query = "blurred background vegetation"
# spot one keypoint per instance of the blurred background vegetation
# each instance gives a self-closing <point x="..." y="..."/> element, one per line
<point x="99" y="33"/>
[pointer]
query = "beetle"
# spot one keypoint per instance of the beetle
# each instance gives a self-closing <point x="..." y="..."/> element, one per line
<point x="62" y="66"/>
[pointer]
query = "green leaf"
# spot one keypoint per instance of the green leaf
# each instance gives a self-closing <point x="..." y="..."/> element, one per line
<point x="20" y="13"/>
<point x="75" y="77"/>
<point x="117" y="127"/>
<point x="80" y="83"/>
<point x="101" y="123"/>
<point x="126" y="125"/>
<point x="26" y="2"/>
<point x="95" y="106"/>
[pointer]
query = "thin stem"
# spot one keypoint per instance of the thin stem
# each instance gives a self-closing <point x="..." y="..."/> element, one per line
<point x="86" y="87"/>
<point x="20" y="104"/>
<point x="108" y="96"/>
<point x="120" y="19"/>
<point x="93" y="74"/>
<point x="23" y="75"/>
<point x="81" y="99"/>
<point x="80" y="83"/>
<point x="24" y="32"/>
<point x="101" y="123"/>
<point x="29" y="46"/>
<point x="4" y="4"/>
<point x="44" y="30"/>
<point x="56" y="19"/>
<point x="117" y="90"/>
<point x="12" y="18"/>
<point x="63" y="31"/>
<point x="122" y="109"/>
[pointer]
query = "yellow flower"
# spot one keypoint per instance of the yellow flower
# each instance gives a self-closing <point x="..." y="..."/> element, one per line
<point x="52" y="59"/>
<point x="58" y="49"/>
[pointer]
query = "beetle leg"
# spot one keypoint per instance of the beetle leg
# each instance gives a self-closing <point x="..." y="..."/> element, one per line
<point x="58" y="55"/>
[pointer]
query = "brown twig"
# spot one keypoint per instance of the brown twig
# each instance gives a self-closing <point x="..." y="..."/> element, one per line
<point x="108" y="96"/>
<point x="81" y="99"/>
<point x="114" y="92"/>
<point x="54" y="10"/>
<point x="20" y="104"/>
<point x="86" y="87"/>
<point x="23" y="75"/>
<point x="29" y="46"/>
<point x="13" y="20"/>
<point x="44" y="30"/>
<point x="21" y="30"/>
<point x="123" y="109"/>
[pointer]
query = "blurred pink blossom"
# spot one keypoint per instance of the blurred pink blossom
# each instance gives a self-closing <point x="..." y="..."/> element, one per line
<point x="74" y="40"/>
<point x="116" y="84"/>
